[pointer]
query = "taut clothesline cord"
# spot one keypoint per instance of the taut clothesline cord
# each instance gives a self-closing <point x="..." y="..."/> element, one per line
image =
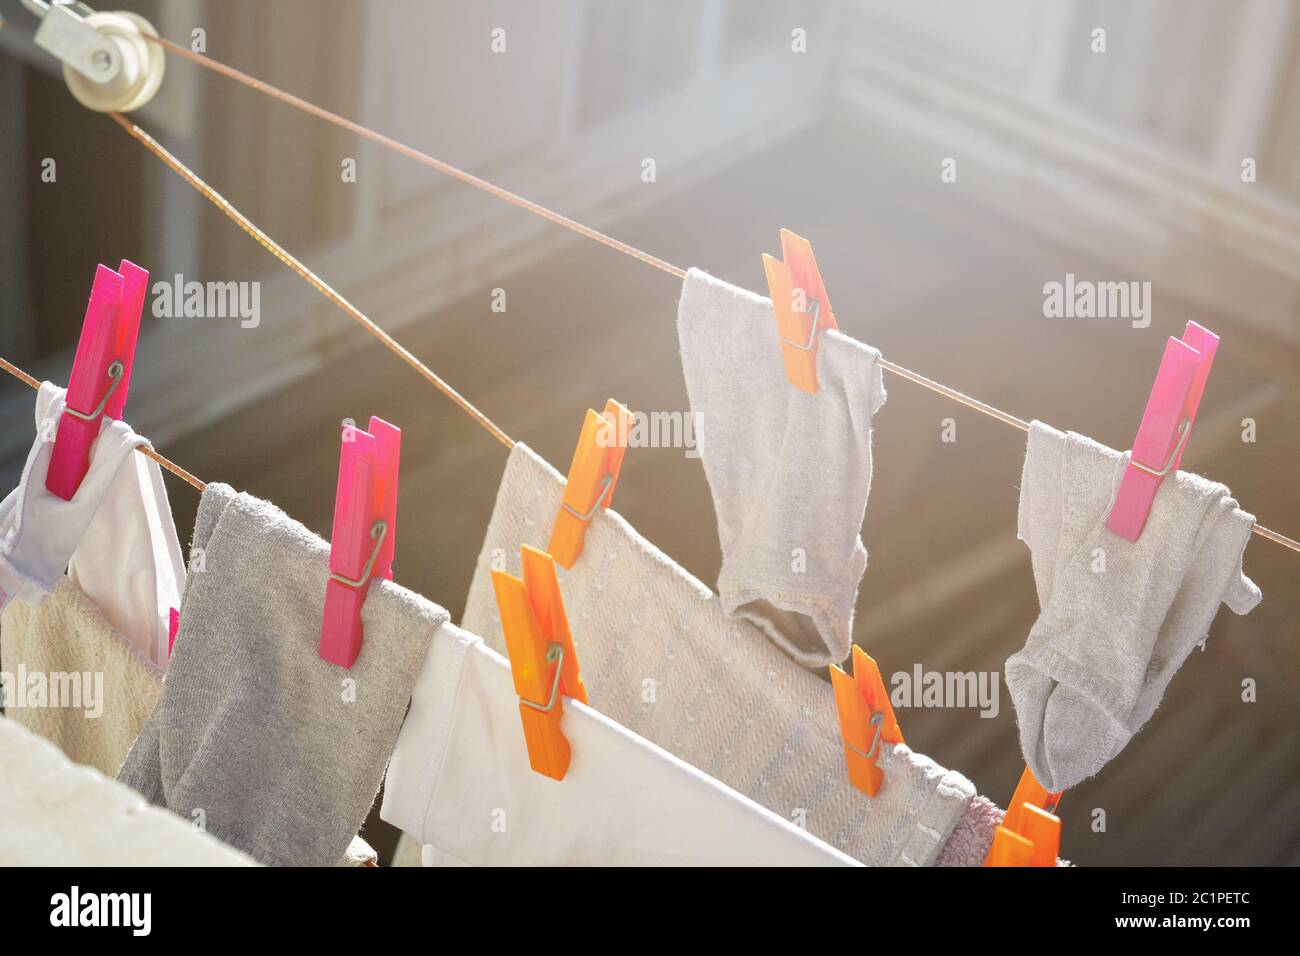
<point x="145" y="450"/>
<point x="314" y="280"/>
<point x="482" y="184"/>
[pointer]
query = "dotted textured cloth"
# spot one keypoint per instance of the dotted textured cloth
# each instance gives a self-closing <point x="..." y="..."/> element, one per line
<point x="659" y="656"/>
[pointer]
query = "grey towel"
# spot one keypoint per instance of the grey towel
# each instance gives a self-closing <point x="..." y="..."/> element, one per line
<point x="256" y="738"/>
<point x="789" y="471"/>
<point x="1117" y="618"/>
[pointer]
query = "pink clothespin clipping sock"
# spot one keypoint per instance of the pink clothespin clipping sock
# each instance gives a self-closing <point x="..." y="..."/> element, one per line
<point x="365" y="530"/>
<point x="1166" y="426"/>
<point x="101" y="372"/>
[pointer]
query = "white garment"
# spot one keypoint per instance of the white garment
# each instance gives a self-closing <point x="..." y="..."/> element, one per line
<point x="789" y="471"/>
<point x="659" y="655"/>
<point x="115" y="538"/>
<point x="460" y="781"/>
<point x="57" y="813"/>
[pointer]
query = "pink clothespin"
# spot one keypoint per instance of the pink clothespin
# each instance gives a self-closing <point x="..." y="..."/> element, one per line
<point x="365" y="530"/>
<point x="1166" y="426"/>
<point x="101" y="372"/>
<point x="173" y="625"/>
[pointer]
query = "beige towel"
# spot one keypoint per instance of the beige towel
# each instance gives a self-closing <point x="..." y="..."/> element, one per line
<point x="55" y="813"/>
<point x="66" y="643"/>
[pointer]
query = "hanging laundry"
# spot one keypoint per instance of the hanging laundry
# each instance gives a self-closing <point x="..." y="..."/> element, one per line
<point x="119" y="513"/>
<point x="56" y="813"/>
<point x="279" y="751"/>
<point x="1116" y="618"/>
<point x="70" y="677"/>
<point x="789" y="471"/>
<point x="661" y="657"/>
<point x="460" y="781"/>
<point x="129" y="562"/>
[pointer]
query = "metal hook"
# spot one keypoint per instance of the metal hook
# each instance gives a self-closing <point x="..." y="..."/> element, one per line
<point x="1184" y="432"/>
<point x="554" y="655"/>
<point x="378" y="530"/>
<point x="878" y="721"/>
<point x="812" y="332"/>
<point x="602" y="490"/>
<point x="115" y="370"/>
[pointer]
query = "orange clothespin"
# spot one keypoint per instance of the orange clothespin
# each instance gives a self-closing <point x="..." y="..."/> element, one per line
<point x="802" y="307"/>
<point x="1030" y="834"/>
<point x="542" y="657"/>
<point x="866" y="719"/>
<point x="592" y="476"/>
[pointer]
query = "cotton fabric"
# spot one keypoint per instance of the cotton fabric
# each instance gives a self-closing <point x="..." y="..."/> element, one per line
<point x="660" y="656"/>
<point x="280" y="751"/>
<point x="1107" y="642"/>
<point x="129" y="562"/>
<point x="789" y="472"/>
<point x="460" y="781"/>
<point x="40" y="531"/>
<point x="57" y="813"/>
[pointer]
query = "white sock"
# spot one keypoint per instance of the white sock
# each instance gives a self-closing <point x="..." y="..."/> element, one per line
<point x="1117" y="619"/>
<point x="789" y="471"/>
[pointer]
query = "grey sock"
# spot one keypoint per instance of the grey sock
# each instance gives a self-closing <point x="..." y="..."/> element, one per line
<point x="1117" y="619"/>
<point x="272" y="749"/>
<point x="789" y="471"/>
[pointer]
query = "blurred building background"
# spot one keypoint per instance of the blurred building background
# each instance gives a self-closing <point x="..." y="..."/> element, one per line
<point x="1125" y="165"/>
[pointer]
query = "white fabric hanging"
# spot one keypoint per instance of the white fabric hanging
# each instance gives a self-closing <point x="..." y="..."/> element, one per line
<point x="115" y="538"/>
<point x="460" y="782"/>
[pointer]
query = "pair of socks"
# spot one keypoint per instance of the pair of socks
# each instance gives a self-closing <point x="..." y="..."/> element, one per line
<point x="1117" y="618"/>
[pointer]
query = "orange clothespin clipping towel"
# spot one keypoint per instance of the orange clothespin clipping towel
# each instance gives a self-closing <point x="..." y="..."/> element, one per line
<point x="592" y="476"/>
<point x="866" y="719"/>
<point x="1030" y="834"/>
<point x="542" y="658"/>
<point x="801" y="305"/>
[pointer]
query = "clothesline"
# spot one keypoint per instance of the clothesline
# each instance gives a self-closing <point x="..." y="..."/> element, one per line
<point x="481" y="184"/>
<point x="391" y="343"/>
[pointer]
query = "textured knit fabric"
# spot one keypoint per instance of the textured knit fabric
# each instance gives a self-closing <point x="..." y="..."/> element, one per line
<point x="57" y="813"/>
<point x="40" y="531"/>
<point x="789" y="471"/>
<point x="66" y="643"/>
<point x="969" y="842"/>
<point x="659" y="656"/>
<point x="359" y="854"/>
<point x="460" y="781"/>
<point x="1116" y="619"/>
<point x="279" y="751"/>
